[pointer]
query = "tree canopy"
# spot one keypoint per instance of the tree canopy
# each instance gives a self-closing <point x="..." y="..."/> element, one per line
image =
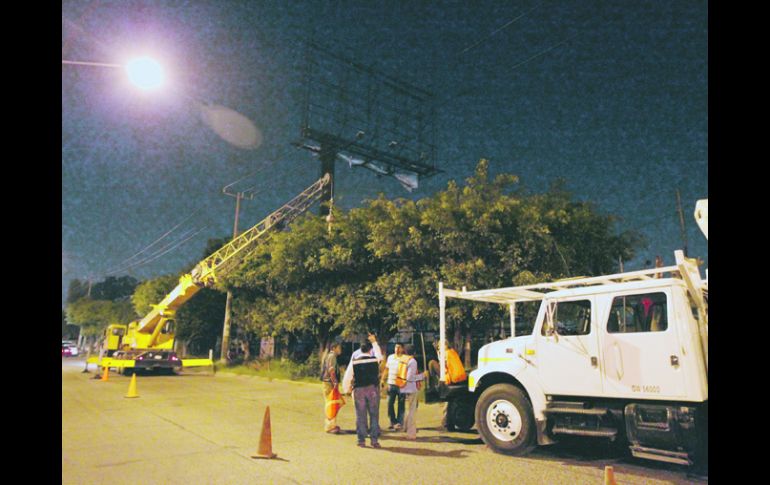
<point x="376" y="267"/>
<point x="93" y="316"/>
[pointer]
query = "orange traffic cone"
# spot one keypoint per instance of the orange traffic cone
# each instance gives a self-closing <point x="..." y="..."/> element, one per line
<point x="132" y="387"/>
<point x="106" y="373"/>
<point x="609" y="476"/>
<point x="265" y="439"/>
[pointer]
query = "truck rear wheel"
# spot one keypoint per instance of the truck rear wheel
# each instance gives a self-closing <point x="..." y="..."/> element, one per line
<point x="505" y="420"/>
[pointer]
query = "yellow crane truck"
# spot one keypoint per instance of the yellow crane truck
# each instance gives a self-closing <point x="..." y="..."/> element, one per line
<point x="148" y="344"/>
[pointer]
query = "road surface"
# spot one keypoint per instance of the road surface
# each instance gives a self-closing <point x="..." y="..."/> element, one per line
<point x="202" y="429"/>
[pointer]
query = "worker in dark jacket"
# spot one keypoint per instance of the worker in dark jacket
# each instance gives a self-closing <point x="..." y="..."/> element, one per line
<point x="362" y="377"/>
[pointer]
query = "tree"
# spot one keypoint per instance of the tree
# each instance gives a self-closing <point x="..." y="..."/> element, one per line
<point x="68" y="331"/>
<point x="76" y="290"/>
<point x="199" y="321"/>
<point x="114" y="288"/>
<point x="151" y="292"/>
<point x="377" y="267"/>
<point x="93" y="316"/>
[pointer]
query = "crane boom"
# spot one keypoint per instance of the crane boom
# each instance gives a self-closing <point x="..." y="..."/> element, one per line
<point x="205" y="272"/>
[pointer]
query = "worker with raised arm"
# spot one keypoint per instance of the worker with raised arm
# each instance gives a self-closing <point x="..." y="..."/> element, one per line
<point x="362" y="378"/>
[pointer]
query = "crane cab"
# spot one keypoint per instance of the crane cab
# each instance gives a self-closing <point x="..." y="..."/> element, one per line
<point x="113" y="338"/>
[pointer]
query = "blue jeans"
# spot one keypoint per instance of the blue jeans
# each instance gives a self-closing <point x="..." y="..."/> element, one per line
<point x="367" y="401"/>
<point x="394" y="394"/>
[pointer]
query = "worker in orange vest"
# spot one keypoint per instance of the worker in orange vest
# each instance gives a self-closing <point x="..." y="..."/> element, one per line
<point x="455" y="370"/>
<point x="454" y="374"/>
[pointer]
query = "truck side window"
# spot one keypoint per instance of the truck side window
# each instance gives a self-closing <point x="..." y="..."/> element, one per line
<point x="571" y="318"/>
<point x="638" y="313"/>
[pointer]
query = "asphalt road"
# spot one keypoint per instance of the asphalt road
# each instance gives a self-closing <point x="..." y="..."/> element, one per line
<point x="199" y="428"/>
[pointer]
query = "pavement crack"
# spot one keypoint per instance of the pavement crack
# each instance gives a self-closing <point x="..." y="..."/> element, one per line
<point x="187" y="430"/>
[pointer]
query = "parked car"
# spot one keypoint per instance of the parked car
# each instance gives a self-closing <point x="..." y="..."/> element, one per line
<point x="69" y="349"/>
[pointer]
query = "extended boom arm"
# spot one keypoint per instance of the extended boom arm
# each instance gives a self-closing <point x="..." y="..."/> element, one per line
<point x="205" y="273"/>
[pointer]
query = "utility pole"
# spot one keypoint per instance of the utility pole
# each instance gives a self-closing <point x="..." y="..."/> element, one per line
<point x="327" y="155"/>
<point x="246" y="194"/>
<point x="82" y="340"/>
<point x="681" y="221"/>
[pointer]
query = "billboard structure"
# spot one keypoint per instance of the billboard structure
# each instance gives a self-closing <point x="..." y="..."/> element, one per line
<point x="357" y="115"/>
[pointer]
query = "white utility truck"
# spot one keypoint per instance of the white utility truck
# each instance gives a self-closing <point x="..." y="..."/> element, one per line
<point x="622" y="357"/>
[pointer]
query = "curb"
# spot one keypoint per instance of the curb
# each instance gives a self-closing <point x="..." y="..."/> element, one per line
<point x="299" y="383"/>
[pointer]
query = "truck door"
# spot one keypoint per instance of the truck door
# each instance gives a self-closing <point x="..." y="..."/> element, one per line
<point x="567" y="348"/>
<point x="641" y="348"/>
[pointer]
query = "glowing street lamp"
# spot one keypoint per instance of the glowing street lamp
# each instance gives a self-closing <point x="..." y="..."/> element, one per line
<point x="144" y="72"/>
<point x="148" y="75"/>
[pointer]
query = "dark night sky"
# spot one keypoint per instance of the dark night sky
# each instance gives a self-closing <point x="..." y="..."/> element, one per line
<point x="612" y="96"/>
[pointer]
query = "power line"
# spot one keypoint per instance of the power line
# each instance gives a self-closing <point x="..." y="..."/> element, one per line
<point x="123" y="267"/>
<point x="529" y="59"/>
<point x="159" y="239"/>
<point x="508" y="24"/>
<point x="159" y="253"/>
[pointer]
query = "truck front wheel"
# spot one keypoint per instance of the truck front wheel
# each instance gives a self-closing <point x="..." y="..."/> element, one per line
<point x="505" y="420"/>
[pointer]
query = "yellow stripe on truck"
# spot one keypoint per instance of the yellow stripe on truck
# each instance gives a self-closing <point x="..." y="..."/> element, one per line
<point x="117" y="363"/>
<point x="197" y="362"/>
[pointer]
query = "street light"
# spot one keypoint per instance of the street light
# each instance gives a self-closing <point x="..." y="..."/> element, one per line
<point x="144" y="72"/>
<point x="147" y="74"/>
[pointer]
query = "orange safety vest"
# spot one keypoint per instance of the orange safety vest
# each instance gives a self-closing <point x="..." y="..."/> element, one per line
<point x="455" y="371"/>
<point x="403" y="362"/>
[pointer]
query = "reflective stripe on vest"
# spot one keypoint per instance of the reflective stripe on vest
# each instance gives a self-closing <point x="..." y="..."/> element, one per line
<point x="366" y="371"/>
